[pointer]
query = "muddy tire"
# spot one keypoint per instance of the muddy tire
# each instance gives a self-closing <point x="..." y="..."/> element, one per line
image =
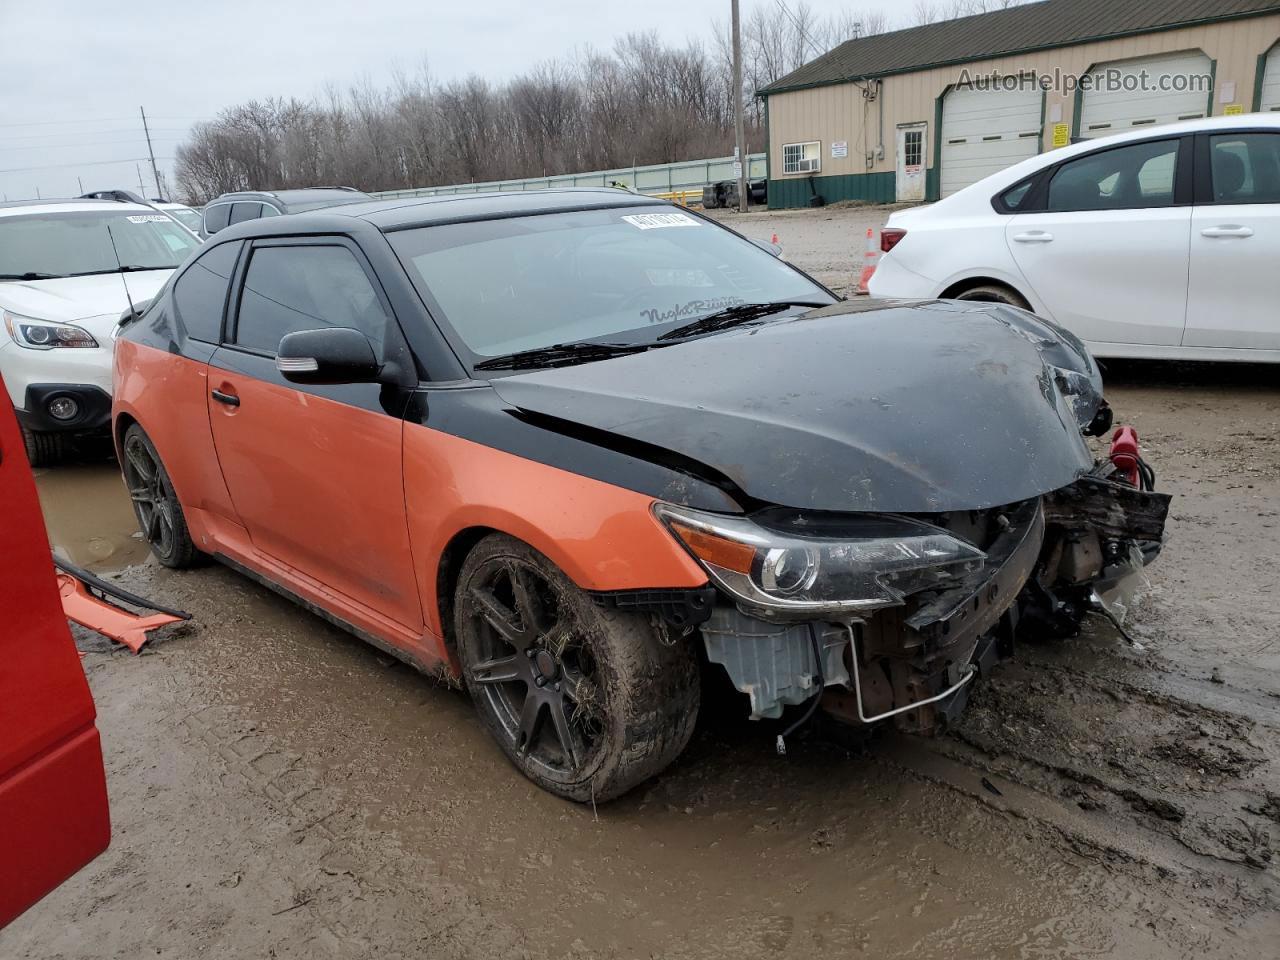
<point x="45" y="449"/>
<point x="584" y="700"/>
<point x="160" y="516"/>
<point x="995" y="293"/>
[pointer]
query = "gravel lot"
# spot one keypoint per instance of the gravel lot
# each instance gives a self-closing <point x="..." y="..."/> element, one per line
<point x="281" y="790"/>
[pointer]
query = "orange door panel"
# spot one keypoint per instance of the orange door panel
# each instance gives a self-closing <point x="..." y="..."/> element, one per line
<point x="168" y="394"/>
<point x="317" y="481"/>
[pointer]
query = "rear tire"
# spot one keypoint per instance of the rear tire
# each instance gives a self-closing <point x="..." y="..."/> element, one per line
<point x="160" y="516"/>
<point x="45" y="449"/>
<point x="994" y="293"/>
<point x="585" y="701"/>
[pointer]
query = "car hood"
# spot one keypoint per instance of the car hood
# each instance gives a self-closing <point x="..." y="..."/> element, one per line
<point x="861" y="406"/>
<point x="99" y="298"/>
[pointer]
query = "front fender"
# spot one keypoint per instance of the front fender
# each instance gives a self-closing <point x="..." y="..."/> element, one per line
<point x="604" y="537"/>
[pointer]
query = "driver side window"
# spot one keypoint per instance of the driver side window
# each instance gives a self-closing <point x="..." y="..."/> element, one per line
<point x="308" y="287"/>
<point x="1122" y="178"/>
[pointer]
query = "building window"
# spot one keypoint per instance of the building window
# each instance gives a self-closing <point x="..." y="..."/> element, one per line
<point x="802" y="157"/>
<point x="913" y="147"/>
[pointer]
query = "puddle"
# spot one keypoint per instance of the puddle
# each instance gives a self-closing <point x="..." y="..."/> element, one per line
<point x="89" y="517"/>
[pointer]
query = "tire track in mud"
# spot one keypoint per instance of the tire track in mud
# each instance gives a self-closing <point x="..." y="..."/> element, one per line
<point x="349" y="866"/>
<point x="1179" y="795"/>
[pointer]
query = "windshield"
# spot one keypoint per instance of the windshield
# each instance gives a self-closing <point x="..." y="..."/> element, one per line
<point x="47" y="245"/>
<point x="627" y="274"/>
<point x="186" y="216"/>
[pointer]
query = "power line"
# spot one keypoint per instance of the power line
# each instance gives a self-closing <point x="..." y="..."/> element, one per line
<point x="90" y="143"/>
<point x="799" y="27"/>
<point x="43" y="123"/>
<point x="84" y="163"/>
<point x="76" y="133"/>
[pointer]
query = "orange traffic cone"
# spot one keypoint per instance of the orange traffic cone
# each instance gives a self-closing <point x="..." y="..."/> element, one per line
<point x="774" y="238"/>
<point x="870" y="259"/>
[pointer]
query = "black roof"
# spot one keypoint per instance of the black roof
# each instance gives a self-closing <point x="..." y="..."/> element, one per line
<point x="1034" y="26"/>
<point x="403" y="212"/>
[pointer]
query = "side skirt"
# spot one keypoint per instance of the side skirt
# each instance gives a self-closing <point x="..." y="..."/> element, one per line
<point x="438" y="669"/>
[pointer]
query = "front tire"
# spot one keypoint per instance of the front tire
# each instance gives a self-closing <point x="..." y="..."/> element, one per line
<point x="585" y="701"/>
<point x="45" y="449"/>
<point x="155" y="503"/>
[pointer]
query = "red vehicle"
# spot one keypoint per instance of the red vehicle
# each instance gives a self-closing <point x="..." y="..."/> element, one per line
<point x="53" y="795"/>
<point x="560" y="446"/>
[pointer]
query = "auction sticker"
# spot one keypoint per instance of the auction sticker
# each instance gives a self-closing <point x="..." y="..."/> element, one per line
<point x="652" y="221"/>
<point x="148" y="218"/>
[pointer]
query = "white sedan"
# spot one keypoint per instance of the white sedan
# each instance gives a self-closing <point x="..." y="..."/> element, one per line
<point x="1161" y="243"/>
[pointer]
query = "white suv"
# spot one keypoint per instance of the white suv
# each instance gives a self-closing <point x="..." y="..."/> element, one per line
<point x="68" y="269"/>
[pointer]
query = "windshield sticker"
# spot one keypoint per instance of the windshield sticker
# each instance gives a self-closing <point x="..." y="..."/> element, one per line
<point x="652" y="221"/>
<point x="677" y="278"/>
<point x="694" y="307"/>
<point x="148" y="218"/>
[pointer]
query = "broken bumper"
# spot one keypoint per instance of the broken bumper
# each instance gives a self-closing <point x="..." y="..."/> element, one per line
<point x="916" y="663"/>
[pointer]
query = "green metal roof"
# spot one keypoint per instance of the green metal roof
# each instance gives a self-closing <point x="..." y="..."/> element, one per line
<point x="1034" y="26"/>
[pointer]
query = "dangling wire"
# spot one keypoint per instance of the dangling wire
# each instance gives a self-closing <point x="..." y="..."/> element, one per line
<point x="1096" y="605"/>
<point x="813" y="701"/>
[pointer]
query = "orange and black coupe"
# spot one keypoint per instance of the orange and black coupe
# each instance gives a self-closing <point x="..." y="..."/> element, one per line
<point x="565" y="447"/>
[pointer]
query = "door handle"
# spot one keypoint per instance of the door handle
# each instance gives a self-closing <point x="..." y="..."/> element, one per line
<point x="1226" y="230"/>
<point x="1034" y="236"/>
<point x="230" y="399"/>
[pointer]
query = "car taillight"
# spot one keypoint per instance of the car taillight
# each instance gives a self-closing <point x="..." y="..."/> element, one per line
<point x="889" y="238"/>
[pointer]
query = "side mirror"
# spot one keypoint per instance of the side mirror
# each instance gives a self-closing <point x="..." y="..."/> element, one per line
<point x="768" y="247"/>
<point x="332" y="355"/>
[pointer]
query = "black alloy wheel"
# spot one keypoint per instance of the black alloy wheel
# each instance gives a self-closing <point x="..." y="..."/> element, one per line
<point x="586" y="702"/>
<point x="159" y="513"/>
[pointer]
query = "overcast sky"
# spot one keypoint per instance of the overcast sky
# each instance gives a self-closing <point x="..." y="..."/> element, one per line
<point x="76" y="71"/>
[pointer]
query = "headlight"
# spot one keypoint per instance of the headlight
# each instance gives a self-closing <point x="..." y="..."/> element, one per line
<point x="45" y="334"/>
<point x="791" y="568"/>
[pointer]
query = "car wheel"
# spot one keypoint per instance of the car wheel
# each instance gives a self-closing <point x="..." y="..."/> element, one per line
<point x="156" y="504"/>
<point x="45" y="449"/>
<point x="994" y="293"/>
<point x="587" y="702"/>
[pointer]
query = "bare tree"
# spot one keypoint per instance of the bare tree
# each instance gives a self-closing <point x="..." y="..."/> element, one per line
<point x="644" y="101"/>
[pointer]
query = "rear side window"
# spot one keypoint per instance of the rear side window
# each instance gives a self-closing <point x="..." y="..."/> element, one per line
<point x="1246" y="167"/>
<point x="306" y="288"/>
<point x="1122" y="178"/>
<point x="201" y="292"/>
<point x="241" y="212"/>
<point x="215" y="217"/>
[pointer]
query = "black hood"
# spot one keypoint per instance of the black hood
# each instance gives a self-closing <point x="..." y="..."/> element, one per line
<point x="861" y="406"/>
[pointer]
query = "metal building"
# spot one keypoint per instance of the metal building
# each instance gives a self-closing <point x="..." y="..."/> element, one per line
<point x="917" y="114"/>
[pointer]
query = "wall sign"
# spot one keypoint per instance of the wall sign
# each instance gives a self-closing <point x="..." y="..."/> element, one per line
<point x="839" y="148"/>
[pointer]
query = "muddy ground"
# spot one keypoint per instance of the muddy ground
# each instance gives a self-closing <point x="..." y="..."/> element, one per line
<point x="279" y="789"/>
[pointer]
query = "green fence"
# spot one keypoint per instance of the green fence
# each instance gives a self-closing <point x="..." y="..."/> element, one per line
<point x="657" y="178"/>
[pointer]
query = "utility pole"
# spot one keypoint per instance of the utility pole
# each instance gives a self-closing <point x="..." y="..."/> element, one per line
<point x="81" y="182"/>
<point x="154" y="171"/>
<point x="142" y="191"/>
<point x="739" y="148"/>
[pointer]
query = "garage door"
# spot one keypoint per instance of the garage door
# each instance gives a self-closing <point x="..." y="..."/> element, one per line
<point x="1123" y="104"/>
<point x="984" y="131"/>
<point x="1271" y="82"/>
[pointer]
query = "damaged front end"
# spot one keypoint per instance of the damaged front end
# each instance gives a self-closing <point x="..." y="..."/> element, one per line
<point x="892" y="617"/>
